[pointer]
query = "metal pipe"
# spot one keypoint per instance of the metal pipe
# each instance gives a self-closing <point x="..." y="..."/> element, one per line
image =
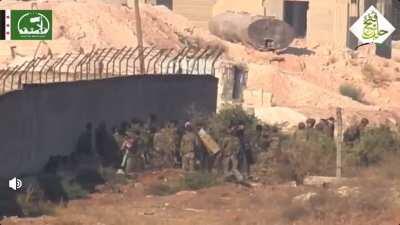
<point x="214" y="61"/>
<point x="101" y="65"/>
<point x="8" y="75"/>
<point x="84" y="61"/>
<point x="134" y="61"/>
<point x="158" y="59"/>
<point x="206" y="59"/>
<point x="51" y="67"/>
<point x="58" y="62"/>
<point x="191" y="57"/>
<point x="122" y="58"/>
<point x="260" y="32"/>
<point x="144" y="58"/>
<point x="13" y="74"/>
<point x="180" y="58"/>
<point x="174" y="58"/>
<point x="69" y="65"/>
<point x="152" y="58"/>
<point x="78" y="64"/>
<point x="88" y="63"/>
<point x="164" y="59"/>
<point x="34" y="67"/>
<point x="63" y="61"/>
<point x="4" y="72"/>
<point x="196" y="60"/>
<point x="112" y="57"/>
<point x="95" y="61"/>
<point x="129" y="57"/>
<point x="43" y="67"/>
<point x="20" y="77"/>
<point x="94" y="65"/>
<point x="27" y="69"/>
<point x="122" y="50"/>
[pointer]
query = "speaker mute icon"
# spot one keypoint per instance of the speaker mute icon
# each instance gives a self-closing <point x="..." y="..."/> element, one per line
<point x="15" y="183"/>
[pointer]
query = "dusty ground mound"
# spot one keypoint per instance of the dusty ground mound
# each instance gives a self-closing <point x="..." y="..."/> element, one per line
<point x="220" y="205"/>
<point x="84" y="24"/>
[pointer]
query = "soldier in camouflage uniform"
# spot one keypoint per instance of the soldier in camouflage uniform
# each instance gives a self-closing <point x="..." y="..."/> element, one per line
<point x="301" y="132"/>
<point x="188" y="147"/>
<point x="274" y="144"/>
<point x="170" y="144"/>
<point x="146" y="137"/>
<point x="119" y="138"/>
<point x="259" y="144"/>
<point x="158" y="150"/>
<point x="230" y="152"/>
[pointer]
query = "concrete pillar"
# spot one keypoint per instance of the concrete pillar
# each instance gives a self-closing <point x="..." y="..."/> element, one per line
<point x="385" y="49"/>
<point x="274" y="8"/>
<point x="354" y="13"/>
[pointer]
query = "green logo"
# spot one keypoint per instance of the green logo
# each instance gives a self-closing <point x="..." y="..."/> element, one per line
<point x="371" y="27"/>
<point x="31" y="24"/>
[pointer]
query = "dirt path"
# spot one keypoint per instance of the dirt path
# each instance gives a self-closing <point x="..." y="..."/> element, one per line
<point x="228" y="204"/>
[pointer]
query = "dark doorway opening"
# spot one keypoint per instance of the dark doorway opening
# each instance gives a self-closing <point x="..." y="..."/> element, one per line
<point x="167" y="3"/>
<point x="238" y="76"/>
<point x="396" y="19"/>
<point x="295" y="14"/>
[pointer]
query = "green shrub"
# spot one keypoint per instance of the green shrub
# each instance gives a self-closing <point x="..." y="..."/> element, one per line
<point x="374" y="143"/>
<point x="311" y="153"/>
<point x="32" y="203"/>
<point x="351" y="91"/>
<point x="198" y="180"/>
<point x="73" y="189"/>
<point x="162" y="189"/>
<point x="219" y="123"/>
<point x="235" y="114"/>
<point x="61" y="188"/>
<point x="89" y="179"/>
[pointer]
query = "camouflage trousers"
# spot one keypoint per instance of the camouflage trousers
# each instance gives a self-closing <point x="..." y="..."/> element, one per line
<point x="230" y="166"/>
<point x="188" y="162"/>
<point x="131" y="162"/>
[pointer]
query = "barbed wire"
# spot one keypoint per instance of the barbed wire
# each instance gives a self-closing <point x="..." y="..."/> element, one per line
<point x="103" y="63"/>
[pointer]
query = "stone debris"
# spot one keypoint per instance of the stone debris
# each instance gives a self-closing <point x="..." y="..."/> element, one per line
<point x="346" y="191"/>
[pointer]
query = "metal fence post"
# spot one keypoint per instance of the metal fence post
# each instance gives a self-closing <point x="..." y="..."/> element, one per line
<point x="339" y="142"/>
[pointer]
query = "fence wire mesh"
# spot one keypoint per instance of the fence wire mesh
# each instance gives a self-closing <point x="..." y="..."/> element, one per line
<point x="108" y="63"/>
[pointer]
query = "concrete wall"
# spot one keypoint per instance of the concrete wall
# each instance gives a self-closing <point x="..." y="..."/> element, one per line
<point x="250" y="6"/>
<point x="46" y="120"/>
<point x="198" y="11"/>
<point x="327" y="22"/>
<point x="274" y="8"/>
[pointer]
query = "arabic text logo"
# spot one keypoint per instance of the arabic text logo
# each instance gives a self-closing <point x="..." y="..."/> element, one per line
<point x="372" y="27"/>
<point x="31" y="24"/>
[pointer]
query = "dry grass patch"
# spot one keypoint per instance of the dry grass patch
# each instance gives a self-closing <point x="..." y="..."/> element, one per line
<point x="374" y="76"/>
<point x="351" y="92"/>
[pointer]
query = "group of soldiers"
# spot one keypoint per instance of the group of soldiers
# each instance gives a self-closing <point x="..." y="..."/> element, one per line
<point x="144" y="146"/>
<point x="327" y="126"/>
<point x="137" y="145"/>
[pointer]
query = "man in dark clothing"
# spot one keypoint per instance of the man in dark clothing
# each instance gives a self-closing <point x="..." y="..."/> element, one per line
<point x="245" y="154"/>
<point x="353" y="133"/>
<point x="310" y="123"/>
<point x="84" y="145"/>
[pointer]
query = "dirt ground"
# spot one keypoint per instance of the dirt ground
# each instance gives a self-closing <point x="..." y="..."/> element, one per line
<point x="227" y="204"/>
